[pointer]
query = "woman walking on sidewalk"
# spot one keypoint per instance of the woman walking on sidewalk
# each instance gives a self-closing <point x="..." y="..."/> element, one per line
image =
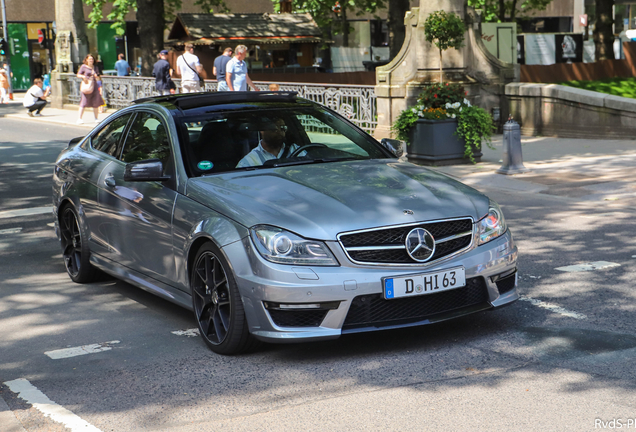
<point x="89" y="75"/>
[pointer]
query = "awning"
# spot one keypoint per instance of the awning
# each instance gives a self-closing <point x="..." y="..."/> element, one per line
<point x="223" y="29"/>
<point x="255" y="41"/>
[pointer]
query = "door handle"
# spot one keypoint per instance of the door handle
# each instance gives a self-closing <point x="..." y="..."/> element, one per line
<point x="110" y="181"/>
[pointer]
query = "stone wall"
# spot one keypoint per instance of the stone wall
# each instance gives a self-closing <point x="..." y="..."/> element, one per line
<point x="560" y="111"/>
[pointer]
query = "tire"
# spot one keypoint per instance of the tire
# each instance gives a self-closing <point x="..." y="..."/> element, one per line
<point x="218" y="307"/>
<point x="75" y="247"/>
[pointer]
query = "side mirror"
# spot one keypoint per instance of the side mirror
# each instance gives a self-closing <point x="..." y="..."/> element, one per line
<point x="145" y="170"/>
<point x="394" y="146"/>
<point x="74" y="141"/>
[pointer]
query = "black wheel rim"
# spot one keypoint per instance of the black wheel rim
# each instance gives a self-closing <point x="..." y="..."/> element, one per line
<point x="71" y="242"/>
<point x="211" y="298"/>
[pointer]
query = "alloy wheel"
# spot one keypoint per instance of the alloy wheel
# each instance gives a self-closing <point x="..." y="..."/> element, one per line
<point x="211" y="298"/>
<point x="71" y="243"/>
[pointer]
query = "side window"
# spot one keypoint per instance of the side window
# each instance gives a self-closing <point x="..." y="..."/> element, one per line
<point x="108" y="140"/>
<point x="147" y="139"/>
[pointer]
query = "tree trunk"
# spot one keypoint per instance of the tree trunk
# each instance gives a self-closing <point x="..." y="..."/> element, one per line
<point x="395" y="22"/>
<point x="502" y="11"/>
<point x="344" y="24"/>
<point x="441" y="73"/>
<point x="325" y="50"/>
<point x="151" y="23"/>
<point x="603" y="34"/>
<point x="513" y="11"/>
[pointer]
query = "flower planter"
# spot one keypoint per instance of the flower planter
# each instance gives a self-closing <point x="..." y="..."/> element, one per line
<point x="434" y="142"/>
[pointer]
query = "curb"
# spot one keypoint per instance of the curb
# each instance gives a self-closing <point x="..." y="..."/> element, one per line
<point x="8" y="420"/>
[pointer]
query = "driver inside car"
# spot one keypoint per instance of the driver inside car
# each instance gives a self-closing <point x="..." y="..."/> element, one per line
<point x="271" y="146"/>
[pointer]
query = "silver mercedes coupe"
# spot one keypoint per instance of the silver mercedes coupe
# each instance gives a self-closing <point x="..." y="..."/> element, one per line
<point x="275" y="219"/>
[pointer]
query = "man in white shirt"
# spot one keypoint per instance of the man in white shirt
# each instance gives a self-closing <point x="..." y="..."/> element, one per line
<point x="236" y="71"/>
<point x="271" y="146"/>
<point x="189" y="68"/>
<point x="35" y="98"/>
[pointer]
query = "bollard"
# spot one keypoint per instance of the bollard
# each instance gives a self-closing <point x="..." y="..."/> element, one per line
<point x="512" y="158"/>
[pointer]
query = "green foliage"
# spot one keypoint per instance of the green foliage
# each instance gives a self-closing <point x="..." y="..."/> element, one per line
<point x="324" y="11"/>
<point x="444" y="30"/>
<point x="120" y="8"/>
<point x="624" y="87"/>
<point x="493" y="11"/>
<point x="474" y="124"/>
<point x="404" y="123"/>
<point x="438" y="95"/>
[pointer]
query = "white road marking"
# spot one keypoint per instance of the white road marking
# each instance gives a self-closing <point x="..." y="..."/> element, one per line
<point x="597" y="265"/>
<point x="592" y="216"/>
<point x="80" y="350"/>
<point x="553" y="308"/>
<point x="10" y="231"/>
<point x="189" y="332"/>
<point x="26" y="212"/>
<point x="46" y="406"/>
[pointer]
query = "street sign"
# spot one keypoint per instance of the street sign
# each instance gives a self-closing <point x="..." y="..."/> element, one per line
<point x="40" y="36"/>
<point x="583" y="20"/>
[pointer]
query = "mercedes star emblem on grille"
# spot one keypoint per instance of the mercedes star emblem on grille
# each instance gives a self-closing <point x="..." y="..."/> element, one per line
<point x="420" y="244"/>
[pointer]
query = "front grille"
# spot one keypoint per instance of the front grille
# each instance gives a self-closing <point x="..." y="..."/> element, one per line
<point x="373" y="310"/>
<point x="506" y="284"/>
<point x="387" y="245"/>
<point x="297" y="318"/>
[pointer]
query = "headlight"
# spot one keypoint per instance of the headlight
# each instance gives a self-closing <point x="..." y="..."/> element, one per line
<point x="282" y="247"/>
<point x="492" y="226"/>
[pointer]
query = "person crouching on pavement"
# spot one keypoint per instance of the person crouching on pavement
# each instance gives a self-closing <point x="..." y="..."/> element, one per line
<point x="35" y="98"/>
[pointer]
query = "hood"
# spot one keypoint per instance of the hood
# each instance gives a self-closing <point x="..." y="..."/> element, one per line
<point x="321" y="200"/>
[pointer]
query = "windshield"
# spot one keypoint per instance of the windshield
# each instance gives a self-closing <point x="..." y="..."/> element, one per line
<point x="269" y="137"/>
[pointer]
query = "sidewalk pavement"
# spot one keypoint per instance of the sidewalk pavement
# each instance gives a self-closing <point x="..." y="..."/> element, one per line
<point x="67" y="116"/>
<point x="585" y="170"/>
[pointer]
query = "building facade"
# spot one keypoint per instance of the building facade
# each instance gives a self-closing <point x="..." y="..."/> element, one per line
<point x="31" y="59"/>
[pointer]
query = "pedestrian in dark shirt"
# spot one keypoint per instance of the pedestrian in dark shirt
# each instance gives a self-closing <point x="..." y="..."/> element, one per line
<point x="162" y="74"/>
<point x="219" y="69"/>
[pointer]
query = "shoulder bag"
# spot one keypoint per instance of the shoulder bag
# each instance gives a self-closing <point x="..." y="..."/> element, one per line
<point x="201" y="80"/>
<point x="87" y="87"/>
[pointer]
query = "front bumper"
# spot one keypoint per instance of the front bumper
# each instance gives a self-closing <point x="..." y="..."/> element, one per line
<point x="336" y="297"/>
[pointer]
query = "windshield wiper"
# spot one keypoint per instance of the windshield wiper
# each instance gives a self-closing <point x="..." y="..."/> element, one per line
<point x="312" y="161"/>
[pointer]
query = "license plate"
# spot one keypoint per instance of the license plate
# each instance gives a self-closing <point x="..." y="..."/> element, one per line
<point x="426" y="283"/>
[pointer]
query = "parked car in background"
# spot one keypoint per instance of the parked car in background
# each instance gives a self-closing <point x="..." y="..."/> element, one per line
<point x="333" y="234"/>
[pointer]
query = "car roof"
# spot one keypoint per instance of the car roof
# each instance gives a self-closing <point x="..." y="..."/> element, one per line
<point x="197" y="100"/>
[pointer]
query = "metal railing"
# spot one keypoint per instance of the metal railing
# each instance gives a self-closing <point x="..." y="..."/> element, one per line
<point x="355" y="102"/>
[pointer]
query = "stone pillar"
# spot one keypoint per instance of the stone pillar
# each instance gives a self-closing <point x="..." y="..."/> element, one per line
<point x="399" y="83"/>
<point x="71" y="45"/>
